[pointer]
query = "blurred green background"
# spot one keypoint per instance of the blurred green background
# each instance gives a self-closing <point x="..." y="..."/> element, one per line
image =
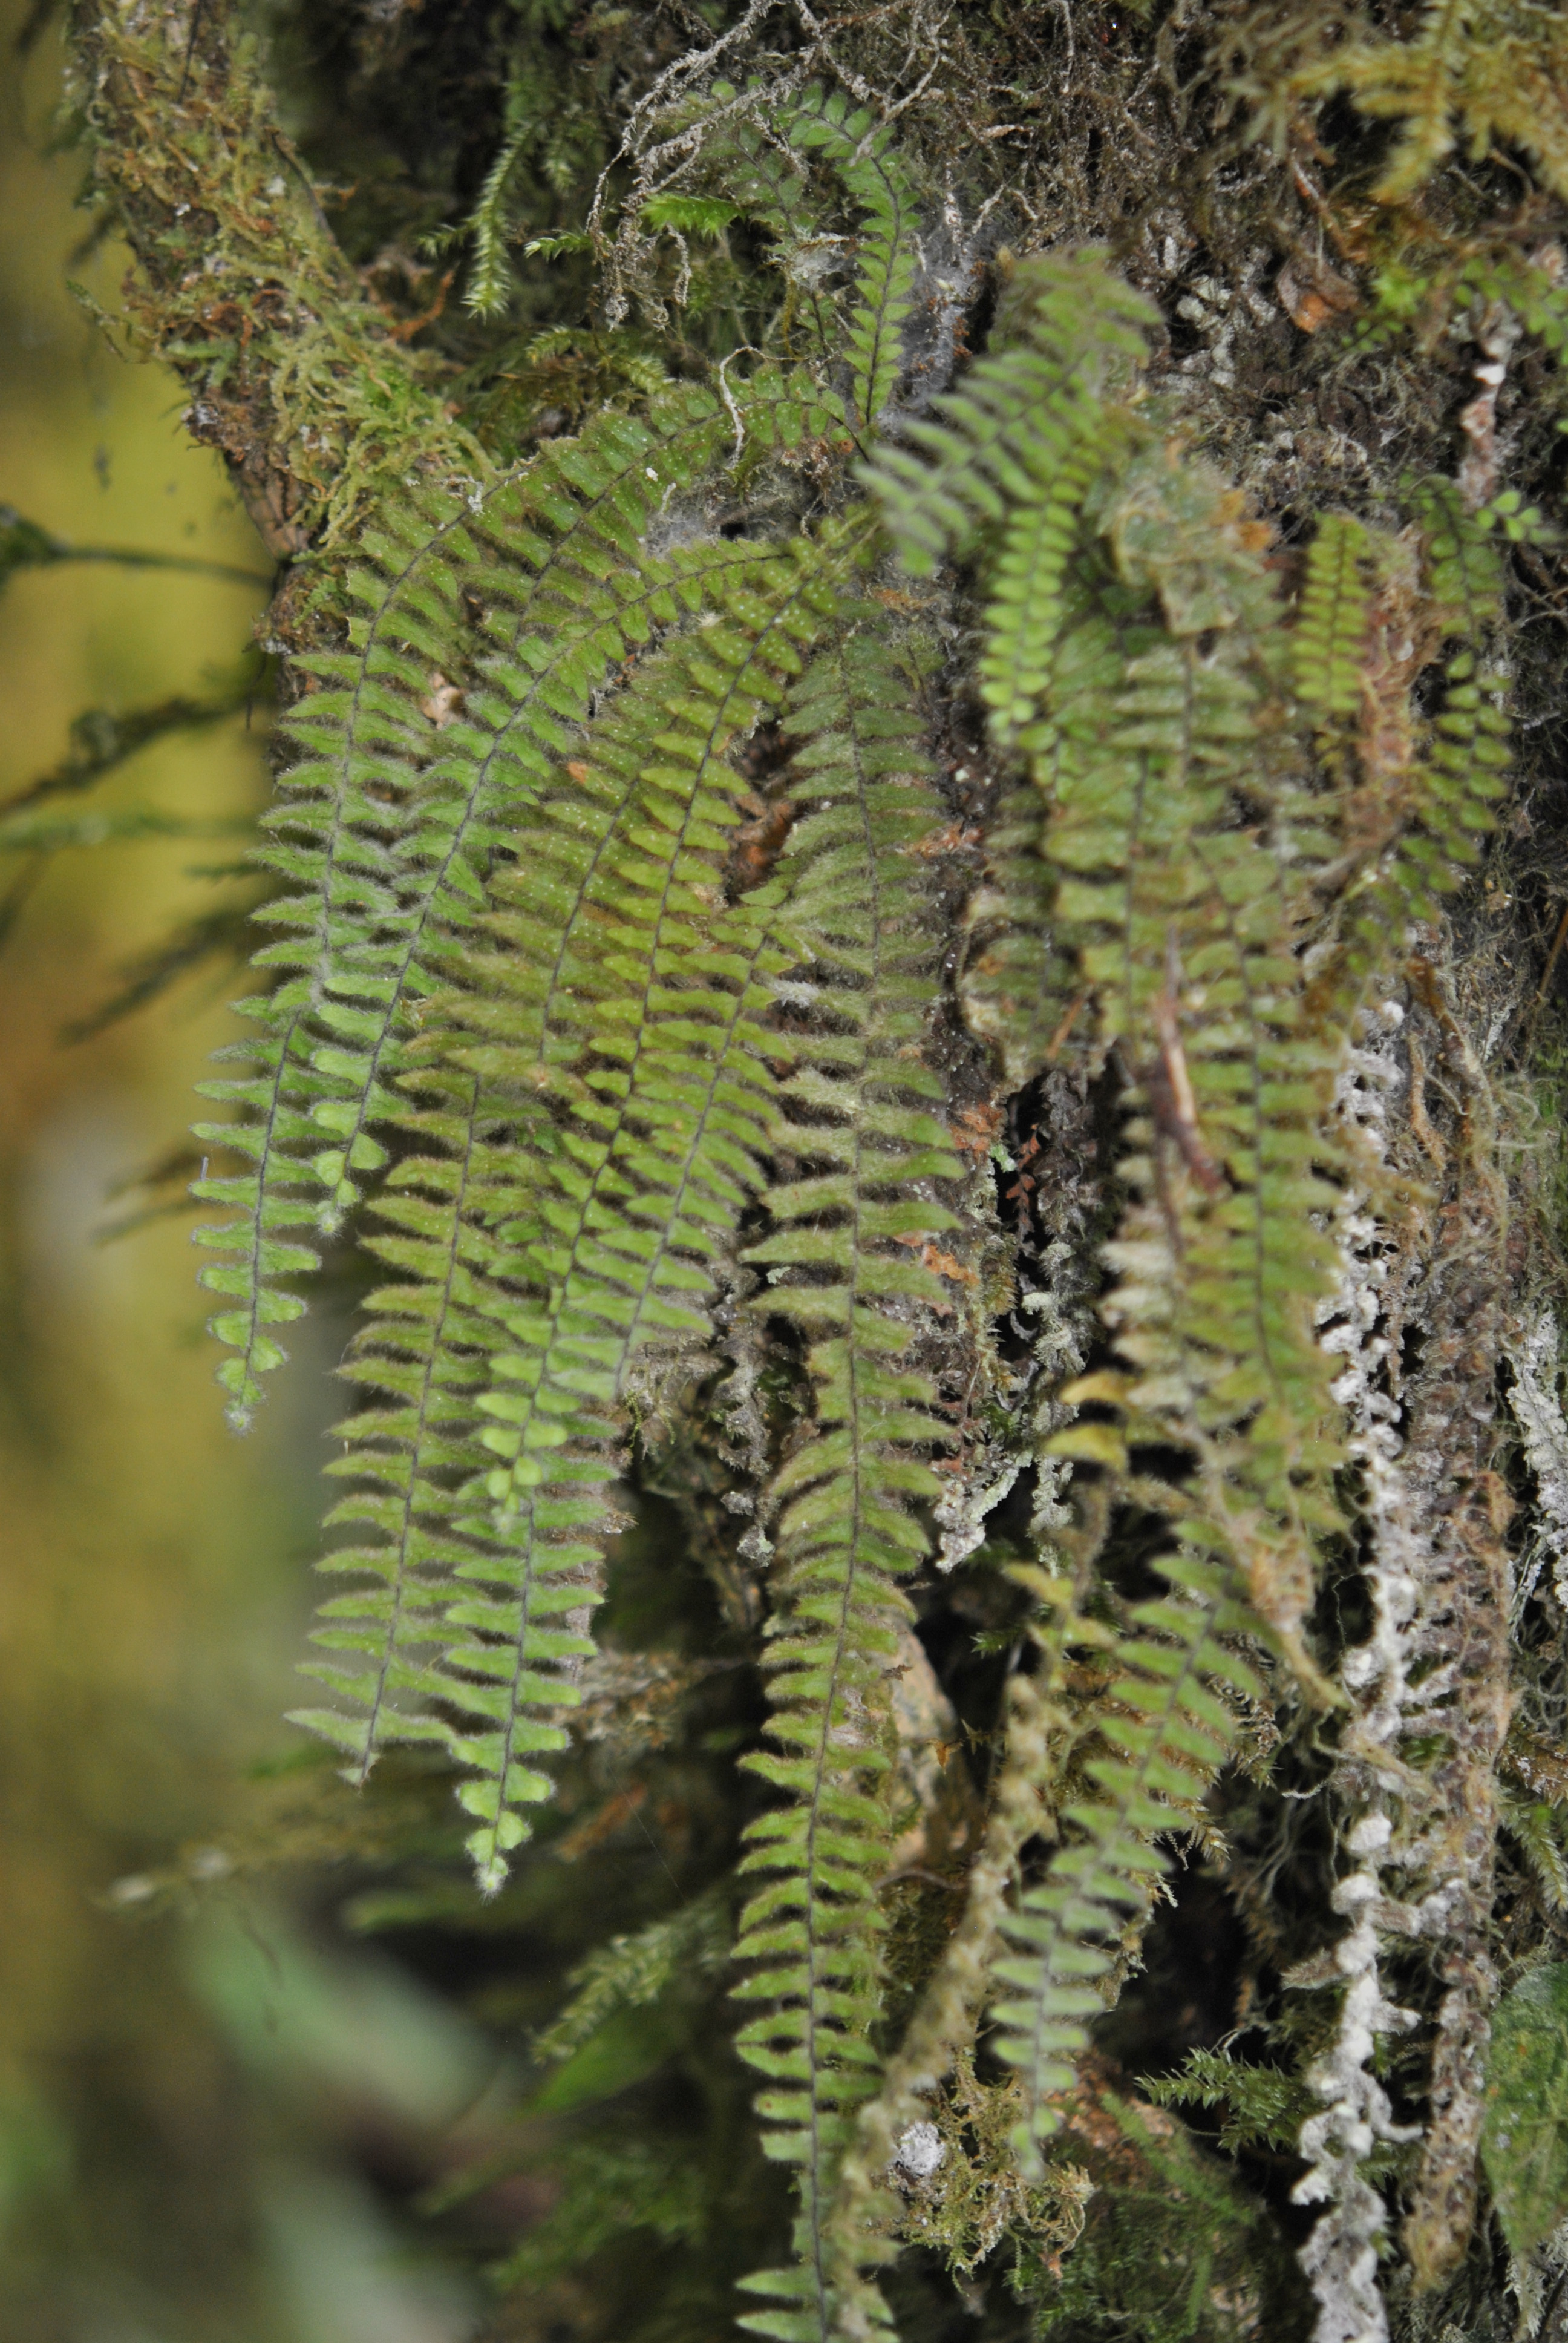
<point x="208" y="2111"/>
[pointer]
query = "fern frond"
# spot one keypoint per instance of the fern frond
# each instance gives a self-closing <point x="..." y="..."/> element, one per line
<point x="844" y="1266"/>
<point x="755" y="169"/>
<point x="876" y="179"/>
<point x="425" y="1354"/>
<point x="1329" y="636"/>
<point x="528" y="599"/>
<point x="629" y="1971"/>
<point x="1146" y="686"/>
<point x="1431" y="804"/>
<point x="620" y="1016"/>
<point x="275" y="1133"/>
<point x="1168" y="1732"/>
<point x="1532" y="1825"/>
<point x="1014" y="437"/>
<point x="1184" y="923"/>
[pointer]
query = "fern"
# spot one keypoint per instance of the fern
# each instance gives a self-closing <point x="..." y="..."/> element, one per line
<point x="1013" y="435"/>
<point x="629" y="1971"/>
<point x="401" y="803"/>
<point x="1329" y="636"/>
<point x="425" y="1353"/>
<point x="1414" y="811"/>
<point x="772" y="187"/>
<point x="844" y="1267"/>
<point x="1170" y="1731"/>
<point x="617" y="1084"/>
<point x="1149" y="699"/>
<point x="876" y="179"/>
<point x="1180" y="925"/>
<point x="382" y="842"/>
<point x="622" y="998"/>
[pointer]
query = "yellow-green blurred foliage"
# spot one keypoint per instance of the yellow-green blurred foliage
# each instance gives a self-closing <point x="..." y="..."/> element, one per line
<point x="164" y="2171"/>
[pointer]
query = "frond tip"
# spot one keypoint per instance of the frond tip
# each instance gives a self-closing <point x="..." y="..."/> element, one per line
<point x="1165" y="1728"/>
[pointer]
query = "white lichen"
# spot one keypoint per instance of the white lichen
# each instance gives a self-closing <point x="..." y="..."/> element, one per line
<point x="1532" y="1354"/>
<point x="1341" y="2257"/>
<point x="919" y="2151"/>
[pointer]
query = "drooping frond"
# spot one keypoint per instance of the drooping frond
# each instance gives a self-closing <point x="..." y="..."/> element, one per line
<point x="847" y="1266"/>
<point x="1178" y="919"/>
<point x="1147" y="689"/>
<point x="1023" y="1803"/>
<point x="1416" y="800"/>
<point x="1329" y="636"/>
<point x="425" y="1354"/>
<point x="486" y="628"/>
<point x="619" y="1012"/>
<point x="1183" y="920"/>
<point x="1468" y="754"/>
<point x="1169" y="1731"/>
<point x="1148" y="698"/>
<point x="1012" y="447"/>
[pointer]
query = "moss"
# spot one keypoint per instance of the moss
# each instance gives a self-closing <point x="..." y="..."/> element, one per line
<point x="311" y="395"/>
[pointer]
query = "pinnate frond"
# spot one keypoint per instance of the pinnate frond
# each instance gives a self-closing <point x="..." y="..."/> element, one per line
<point x="1329" y="636"/>
<point x="1150" y="706"/>
<point x="857" y="1121"/>
<point x="1165" y="1726"/>
<point x="615" y="1025"/>
<point x="484" y="628"/>
<point x="1015" y="439"/>
<point x="1432" y="801"/>
<point x="877" y="180"/>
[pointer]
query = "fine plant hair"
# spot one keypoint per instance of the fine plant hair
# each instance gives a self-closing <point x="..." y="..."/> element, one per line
<point x="893" y="928"/>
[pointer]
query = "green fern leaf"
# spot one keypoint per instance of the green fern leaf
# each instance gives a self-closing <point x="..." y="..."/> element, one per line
<point x="876" y="178"/>
<point x="1012" y="437"/>
<point x="1184" y="922"/>
<point x="1495" y="68"/>
<point x="844" y="1265"/>
<point x="1167" y="1731"/>
<point x="408" y="785"/>
<point x="1328" y="638"/>
<point x="620" y="1016"/>
<point x="1432" y="812"/>
<point x="425" y="1354"/>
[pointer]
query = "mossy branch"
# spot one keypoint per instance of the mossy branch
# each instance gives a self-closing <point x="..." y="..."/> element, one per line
<point x="319" y="411"/>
